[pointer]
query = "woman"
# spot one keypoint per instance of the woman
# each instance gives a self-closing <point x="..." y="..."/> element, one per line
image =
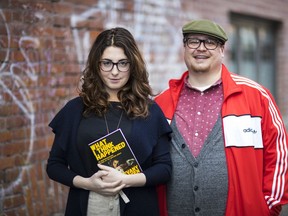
<point x="115" y="94"/>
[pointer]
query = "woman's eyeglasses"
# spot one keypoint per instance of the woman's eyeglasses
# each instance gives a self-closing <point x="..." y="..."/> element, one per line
<point x="108" y="65"/>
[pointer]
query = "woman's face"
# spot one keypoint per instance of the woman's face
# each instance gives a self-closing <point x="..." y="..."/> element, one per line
<point x="115" y="70"/>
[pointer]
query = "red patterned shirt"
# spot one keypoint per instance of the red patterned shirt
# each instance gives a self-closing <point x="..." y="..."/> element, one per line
<point x="197" y="112"/>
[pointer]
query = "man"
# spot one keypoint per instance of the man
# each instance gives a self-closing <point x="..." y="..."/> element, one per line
<point x="229" y="144"/>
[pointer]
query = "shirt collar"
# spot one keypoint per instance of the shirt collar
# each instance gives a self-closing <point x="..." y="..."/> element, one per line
<point x="188" y="85"/>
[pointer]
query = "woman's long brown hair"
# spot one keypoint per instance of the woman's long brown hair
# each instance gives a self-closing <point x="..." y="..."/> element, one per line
<point x="135" y="95"/>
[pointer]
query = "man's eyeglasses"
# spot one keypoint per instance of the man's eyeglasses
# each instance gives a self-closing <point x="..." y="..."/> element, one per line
<point x="108" y="65"/>
<point x="209" y="44"/>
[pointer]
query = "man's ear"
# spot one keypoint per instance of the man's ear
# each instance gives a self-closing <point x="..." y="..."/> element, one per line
<point x="222" y="49"/>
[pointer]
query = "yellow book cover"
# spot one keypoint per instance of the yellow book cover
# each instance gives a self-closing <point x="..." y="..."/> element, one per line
<point x="113" y="150"/>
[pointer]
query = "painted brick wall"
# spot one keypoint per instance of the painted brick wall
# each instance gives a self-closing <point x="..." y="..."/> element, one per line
<point x="43" y="48"/>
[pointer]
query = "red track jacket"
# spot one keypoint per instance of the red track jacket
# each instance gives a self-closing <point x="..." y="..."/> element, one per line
<point x="255" y="145"/>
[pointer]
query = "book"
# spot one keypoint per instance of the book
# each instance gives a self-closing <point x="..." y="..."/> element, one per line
<point x="113" y="150"/>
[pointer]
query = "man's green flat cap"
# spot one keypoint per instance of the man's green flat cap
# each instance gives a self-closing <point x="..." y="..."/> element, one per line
<point x="206" y="27"/>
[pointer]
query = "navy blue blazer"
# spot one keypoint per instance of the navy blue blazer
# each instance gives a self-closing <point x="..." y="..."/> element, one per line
<point x="150" y="142"/>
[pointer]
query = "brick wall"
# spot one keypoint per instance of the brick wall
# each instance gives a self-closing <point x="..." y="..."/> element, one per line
<point x="43" y="47"/>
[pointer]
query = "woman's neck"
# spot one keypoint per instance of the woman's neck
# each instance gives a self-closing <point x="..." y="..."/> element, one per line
<point x="113" y="98"/>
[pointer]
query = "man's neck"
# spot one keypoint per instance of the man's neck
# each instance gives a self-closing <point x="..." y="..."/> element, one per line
<point x="200" y="80"/>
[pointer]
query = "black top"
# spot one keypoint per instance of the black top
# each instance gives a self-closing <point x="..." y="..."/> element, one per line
<point x="94" y="127"/>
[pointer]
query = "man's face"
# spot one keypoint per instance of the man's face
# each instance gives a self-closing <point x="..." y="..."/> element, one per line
<point x="200" y="59"/>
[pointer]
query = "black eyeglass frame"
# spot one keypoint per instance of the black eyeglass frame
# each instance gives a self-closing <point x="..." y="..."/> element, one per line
<point x="113" y="64"/>
<point x="218" y="42"/>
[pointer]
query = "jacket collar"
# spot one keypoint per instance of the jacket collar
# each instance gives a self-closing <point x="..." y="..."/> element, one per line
<point x="229" y="85"/>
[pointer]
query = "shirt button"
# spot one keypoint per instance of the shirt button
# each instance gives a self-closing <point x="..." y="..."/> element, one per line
<point x="197" y="209"/>
<point x="196" y="164"/>
<point x="196" y="188"/>
<point x="183" y="145"/>
<point x="110" y="206"/>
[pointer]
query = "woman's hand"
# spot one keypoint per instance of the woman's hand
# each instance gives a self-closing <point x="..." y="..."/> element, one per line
<point x="113" y="175"/>
<point x="97" y="184"/>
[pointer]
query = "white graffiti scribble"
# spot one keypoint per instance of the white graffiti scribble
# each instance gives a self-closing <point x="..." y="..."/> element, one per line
<point x="11" y="82"/>
<point x="158" y="34"/>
